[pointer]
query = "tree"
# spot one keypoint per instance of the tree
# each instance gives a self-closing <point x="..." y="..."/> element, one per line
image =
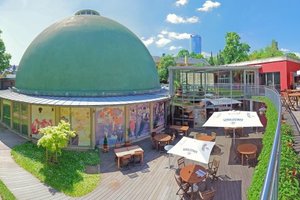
<point x="4" y="57"/>
<point x="165" y="62"/>
<point x="211" y="59"/>
<point x="267" y="52"/>
<point x="55" y="138"/>
<point x="292" y="55"/>
<point x="197" y="56"/>
<point x="234" y="51"/>
<point x="183" y="53"/>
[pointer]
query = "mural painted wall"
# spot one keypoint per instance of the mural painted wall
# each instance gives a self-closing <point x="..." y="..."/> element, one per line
<point x="81" y="124"/>
<point x="41" y="116"/>
<point x="65" y="114"/>
<point x="139" y="121"/>
<point x="158" y="115"/>
<point x="110" y="121"/>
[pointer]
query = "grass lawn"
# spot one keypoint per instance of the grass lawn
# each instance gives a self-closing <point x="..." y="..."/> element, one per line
<point x="67" y="176"/>
<point x="5" y="194"/>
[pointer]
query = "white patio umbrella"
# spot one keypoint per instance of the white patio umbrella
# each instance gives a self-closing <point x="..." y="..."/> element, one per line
<point x="233" y="119"/>
<point x="192" y="149"/>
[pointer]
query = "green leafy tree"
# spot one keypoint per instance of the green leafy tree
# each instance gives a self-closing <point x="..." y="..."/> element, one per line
<point x="183" y="53"/>
<point x="235" y="50"/>
<point x="55" y="138"/>
<point x="292" y="55"/>
<point x="267" y="52"/>
<point x="218" y="59"/>
<point x="197" y="56"/>
<point x="165" y="62"/>
<point x="211" y="59"/>
<point x="4" y="57"/>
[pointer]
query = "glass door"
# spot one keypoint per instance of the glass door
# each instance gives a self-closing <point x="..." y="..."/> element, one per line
<point x="250" y="80"/>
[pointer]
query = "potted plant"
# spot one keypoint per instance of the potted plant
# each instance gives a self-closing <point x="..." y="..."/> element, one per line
<point x="105" y="145"/>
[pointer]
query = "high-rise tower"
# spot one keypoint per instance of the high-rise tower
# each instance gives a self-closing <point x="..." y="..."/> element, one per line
<point x="196" y="44"/>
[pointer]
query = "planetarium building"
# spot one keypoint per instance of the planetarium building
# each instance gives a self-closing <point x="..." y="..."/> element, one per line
<point x="92" y="72"/>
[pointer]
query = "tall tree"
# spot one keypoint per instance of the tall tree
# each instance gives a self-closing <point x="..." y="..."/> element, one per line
<point x="183" y="53"/>
<point x="165" y="62"/>
<point x="211" y="59"/>
<point x="267" y="52"/>
<point x="4" y="57"/>
<point x="195" y="55"/>
<point x="235" y="50"/>
<point x="292" y="55"/>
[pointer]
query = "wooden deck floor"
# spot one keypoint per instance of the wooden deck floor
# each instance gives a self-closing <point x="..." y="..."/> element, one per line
<point x="154" y="179"/>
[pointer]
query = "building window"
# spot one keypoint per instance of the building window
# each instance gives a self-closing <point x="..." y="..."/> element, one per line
<point x="271" y="80"/>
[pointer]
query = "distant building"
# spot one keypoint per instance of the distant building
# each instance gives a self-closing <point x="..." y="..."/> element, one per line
<point x="196" y="44"/>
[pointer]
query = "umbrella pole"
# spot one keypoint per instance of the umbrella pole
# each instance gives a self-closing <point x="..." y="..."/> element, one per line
<point x="234" y="136"/>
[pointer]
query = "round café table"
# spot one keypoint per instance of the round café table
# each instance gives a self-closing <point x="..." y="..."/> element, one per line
<point x="205" y="138"/>
<point x="188" y="174"/>
<point x="246" y="149"/>
<point x="162" y="137"/>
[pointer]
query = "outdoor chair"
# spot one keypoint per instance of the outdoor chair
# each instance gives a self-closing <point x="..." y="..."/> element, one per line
<point x="214" y="135"/>
<point x="125" y="161"/>
<point x="161" y="146"/>
<point x="290" y="102"/>
<point x="173" y="136"/>
<point x="207" y="194"/>
<point x="284" y="102"/>
<point x="181" y="164"/>
<point x="184" y="190"/>
<point x="212" y="170"/>
<point x="251" y="159"/>
<point x="137" y="157"/>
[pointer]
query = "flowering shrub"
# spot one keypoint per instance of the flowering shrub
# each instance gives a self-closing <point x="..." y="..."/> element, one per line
<point x="55" y="138"/>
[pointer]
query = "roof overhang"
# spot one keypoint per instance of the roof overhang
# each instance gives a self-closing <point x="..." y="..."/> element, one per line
<point x="85" y="101"/>
<point x="215" y="68"/>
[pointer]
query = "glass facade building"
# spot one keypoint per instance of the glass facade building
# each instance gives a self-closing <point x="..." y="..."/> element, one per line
<point x="196" y="44"/>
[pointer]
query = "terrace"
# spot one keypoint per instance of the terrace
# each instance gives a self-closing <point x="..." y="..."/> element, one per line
<point x="154" y="180"/>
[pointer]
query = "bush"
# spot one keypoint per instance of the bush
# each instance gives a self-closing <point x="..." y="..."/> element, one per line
<point x="289" y="161"/>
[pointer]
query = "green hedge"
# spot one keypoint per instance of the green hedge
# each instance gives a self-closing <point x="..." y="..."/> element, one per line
<point x="289" y="166"/>
<point x="5" y="194"/>
<point x="289" y="162"/>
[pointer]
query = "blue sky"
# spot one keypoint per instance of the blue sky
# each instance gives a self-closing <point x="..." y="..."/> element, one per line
<point x="163" y="25"/>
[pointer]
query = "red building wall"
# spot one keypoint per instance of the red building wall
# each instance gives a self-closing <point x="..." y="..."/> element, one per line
<point x="286" y="69"/>
<point x="291" y="68"/>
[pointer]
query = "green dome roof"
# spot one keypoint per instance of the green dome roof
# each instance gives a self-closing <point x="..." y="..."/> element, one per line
<point x="86" y="55"/>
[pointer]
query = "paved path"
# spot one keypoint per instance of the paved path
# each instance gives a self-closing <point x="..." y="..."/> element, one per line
<point x="20" y="182"/>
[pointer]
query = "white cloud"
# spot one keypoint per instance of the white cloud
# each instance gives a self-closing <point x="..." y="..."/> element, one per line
<point x="175" y="19"/>
<point x="177" y="36"/>
<point x="208" y="6"/>
<point x="181" y="2"/>
<point x="172" y="48"/>
<point x="148" y="41"/>
<point x="205" y="54"/>
<point x="162" y="42"/>
<point x="297" y="54"/>
<point x="285" y="50"/>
